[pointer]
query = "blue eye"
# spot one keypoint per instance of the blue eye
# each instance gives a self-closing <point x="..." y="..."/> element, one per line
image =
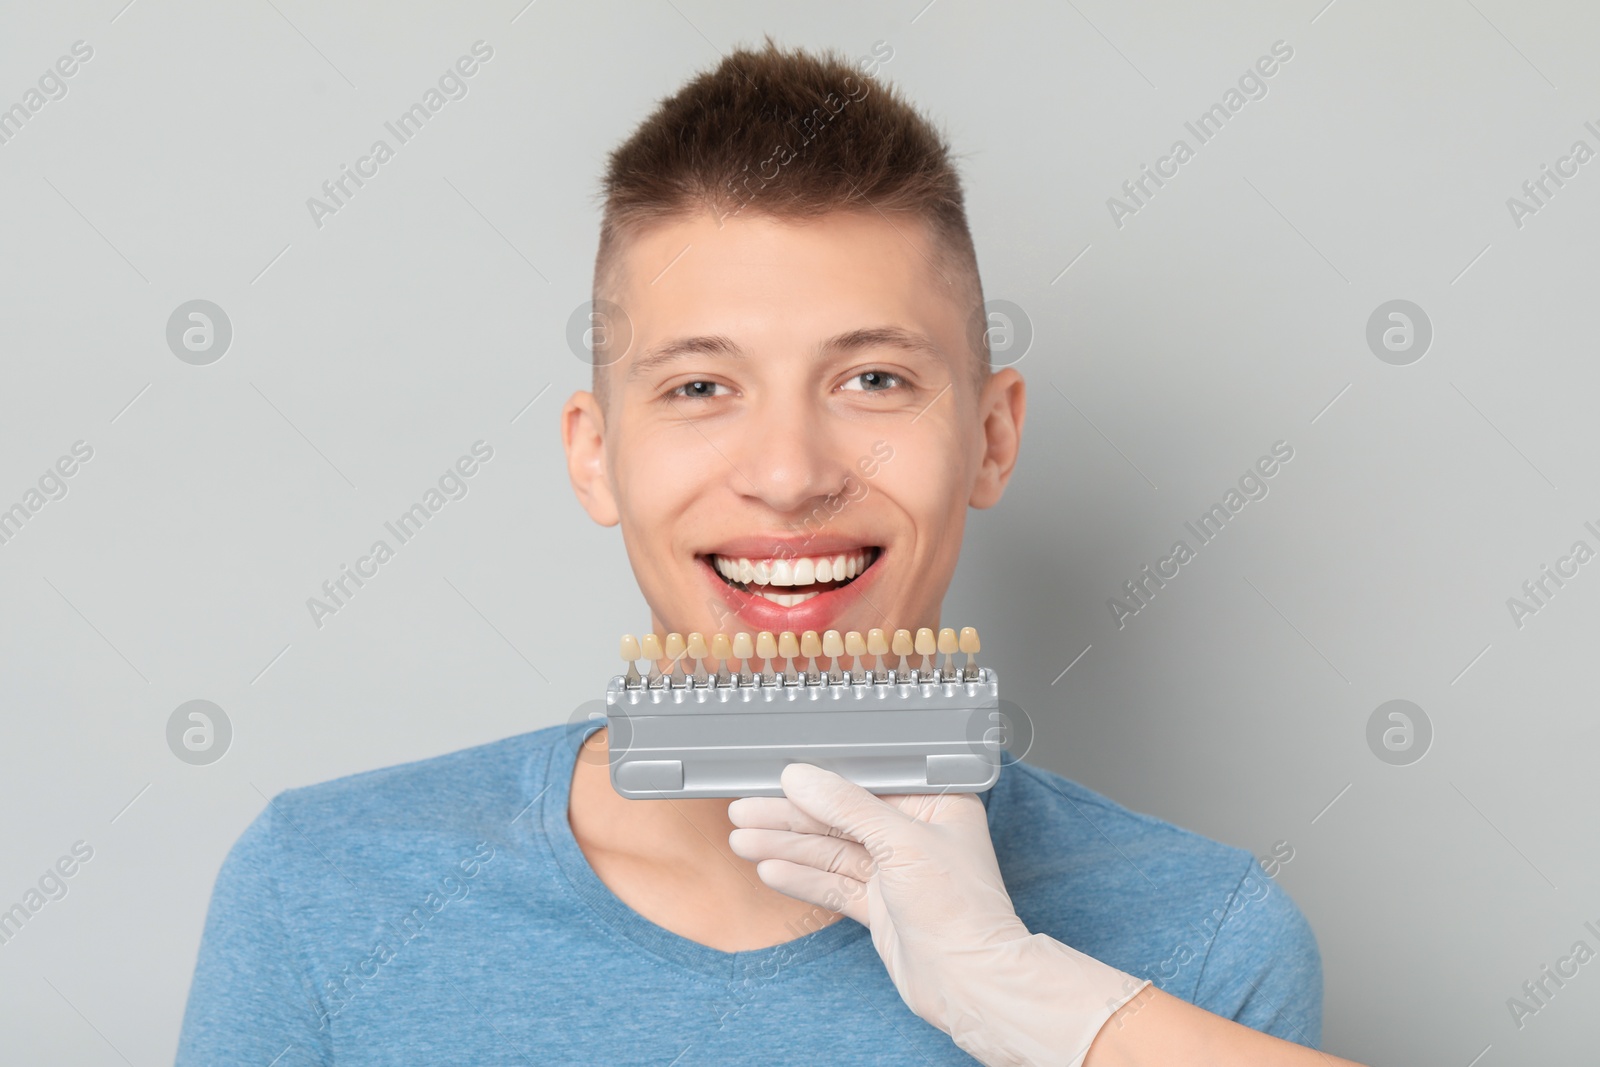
<point x="873" y="381"/>
<point x="696" y="390"/>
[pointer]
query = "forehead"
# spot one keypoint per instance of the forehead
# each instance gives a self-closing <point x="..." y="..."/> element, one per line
<point x="758" y="274"/>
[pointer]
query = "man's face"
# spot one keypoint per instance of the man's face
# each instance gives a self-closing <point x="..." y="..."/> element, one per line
<point x="795" y="432"/>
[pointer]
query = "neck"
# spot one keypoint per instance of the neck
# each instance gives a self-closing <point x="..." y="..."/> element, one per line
<point x="648" y="830"/>
<point x="669" y="860"/>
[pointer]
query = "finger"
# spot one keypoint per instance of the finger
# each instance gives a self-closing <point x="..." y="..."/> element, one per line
<point x="831" y="855"/>
<point x="774" y="813"/>
<point x="832" y="892"/>
<point x="835" y="800"/>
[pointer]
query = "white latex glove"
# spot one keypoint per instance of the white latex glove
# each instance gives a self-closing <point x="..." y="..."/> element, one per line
<point x="920" y="873"/>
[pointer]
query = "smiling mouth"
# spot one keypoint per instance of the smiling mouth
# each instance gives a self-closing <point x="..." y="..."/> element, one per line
<point x="793" y="581"/>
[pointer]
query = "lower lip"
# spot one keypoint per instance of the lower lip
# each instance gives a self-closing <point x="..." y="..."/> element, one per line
<point x="815" y="614"/>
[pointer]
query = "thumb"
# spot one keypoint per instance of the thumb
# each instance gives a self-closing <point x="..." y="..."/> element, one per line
<point x="835" y="800"/>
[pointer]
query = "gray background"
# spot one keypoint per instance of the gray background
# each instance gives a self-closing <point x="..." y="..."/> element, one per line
<point x="1230" y="313"/>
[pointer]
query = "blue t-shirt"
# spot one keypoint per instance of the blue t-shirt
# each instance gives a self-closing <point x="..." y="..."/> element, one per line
<point x="441" y="912"/>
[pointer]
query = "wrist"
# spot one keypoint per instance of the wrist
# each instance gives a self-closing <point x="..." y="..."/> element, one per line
<point x="1033" y="1000"/>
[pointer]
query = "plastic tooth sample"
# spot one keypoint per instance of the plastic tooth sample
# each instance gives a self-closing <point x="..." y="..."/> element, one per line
<point x="925" y="647"/>
<point x="744" y="650"/>
<point x="674" y="647"/>
<point x="789" y="651"/>
<point x="698" y="652"/>
<point x="630" y="653"/>
<point x="833" y="648"/>
<point x="877" y="648"/>
<point x="949" y="644"/>
<point x="811" y="648"/>
<point x="968" y="643"/>
<point x="650" y="645"/>
<point x="767" y="652"/>
<point x="722" y="652"/>
<point x="855" y="646"/>
<point x="901" y="646"/>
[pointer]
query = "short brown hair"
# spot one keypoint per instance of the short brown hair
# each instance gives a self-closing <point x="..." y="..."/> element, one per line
<point x="791" y="135"/>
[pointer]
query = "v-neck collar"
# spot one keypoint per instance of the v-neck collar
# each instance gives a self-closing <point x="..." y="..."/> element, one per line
<point x="547" y="785"/>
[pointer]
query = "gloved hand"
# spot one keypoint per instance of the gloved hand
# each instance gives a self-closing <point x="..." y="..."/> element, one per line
<point x="920" y="873"/>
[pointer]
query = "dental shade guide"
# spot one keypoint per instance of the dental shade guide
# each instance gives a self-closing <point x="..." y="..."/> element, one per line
<point x="687" y="728"/>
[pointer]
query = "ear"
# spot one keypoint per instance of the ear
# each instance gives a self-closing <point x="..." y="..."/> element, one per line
<point x="583" y="435"/>
<point x="1002" y="406"/>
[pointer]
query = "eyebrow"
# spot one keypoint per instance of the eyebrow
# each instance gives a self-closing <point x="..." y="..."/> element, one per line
<point x="717" y="345"/>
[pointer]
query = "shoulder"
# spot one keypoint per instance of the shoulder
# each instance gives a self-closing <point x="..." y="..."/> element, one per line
<point x="420" y="792"/>
<point x="1203" y="920"/>
<point x="1069" y="829"/>
<point x="402" y="821"/>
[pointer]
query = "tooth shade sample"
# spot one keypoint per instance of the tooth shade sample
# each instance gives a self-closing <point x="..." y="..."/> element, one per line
<point x="969" y="640"/>
<point x="766" y="645"/>
<point x="788" y="645"/>
<point x="697" y="646"/>
<point x="743" y="647"/>
<point x="674" y="646"/>
<point x="810" y="644"/>
<point x="854" y="645"/>
<point x="721" y="647"/>
<point x="948" y="643"/>
<point x="925" y="644"/>
<point x="651" y="646"/>
<point x="902" y="643"/>
<point x="877" y="643"/>
<point x="832" y="644"/>
<point x="630" y="652"/>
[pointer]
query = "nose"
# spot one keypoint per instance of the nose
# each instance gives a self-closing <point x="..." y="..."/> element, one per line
<point x="787" y="458"/>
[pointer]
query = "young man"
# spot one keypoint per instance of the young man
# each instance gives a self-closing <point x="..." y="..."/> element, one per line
<point x="792" y="367"/>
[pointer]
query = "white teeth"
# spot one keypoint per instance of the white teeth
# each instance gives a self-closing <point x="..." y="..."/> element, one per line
<point x="789" y="600"/>
<point x="799" y="572"/>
